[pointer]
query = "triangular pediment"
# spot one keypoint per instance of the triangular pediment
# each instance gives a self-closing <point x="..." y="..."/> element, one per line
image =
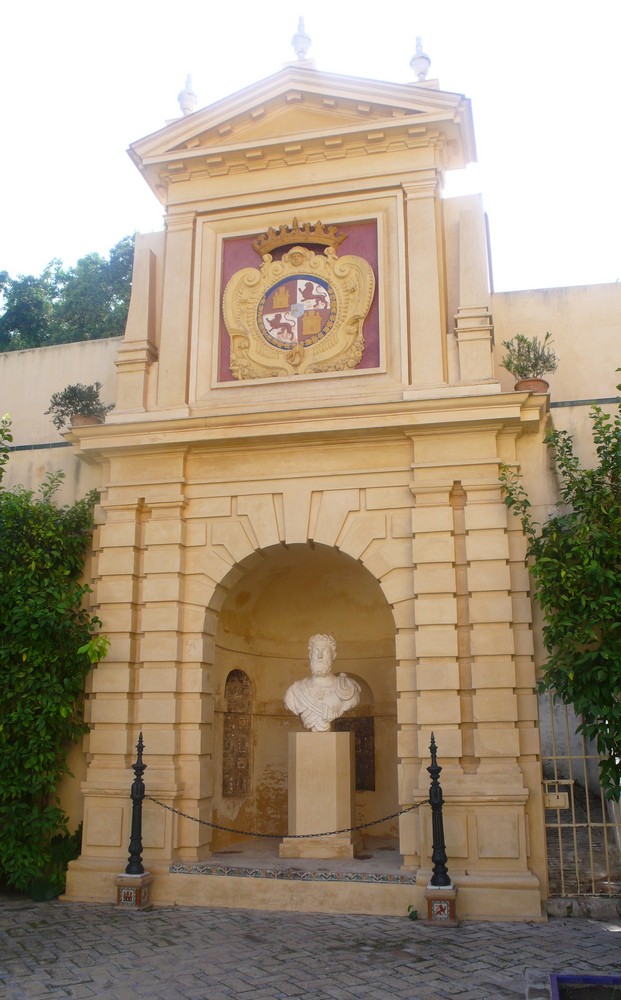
<point x="300" y="106"/>
<point x="292" y="115"/>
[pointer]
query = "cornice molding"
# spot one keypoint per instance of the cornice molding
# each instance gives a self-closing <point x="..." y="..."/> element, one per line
<point x="518" y="412"/>
<point x="278" y="153"/>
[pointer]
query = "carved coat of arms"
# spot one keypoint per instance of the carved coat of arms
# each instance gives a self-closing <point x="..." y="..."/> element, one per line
<point x="301" y="314"/>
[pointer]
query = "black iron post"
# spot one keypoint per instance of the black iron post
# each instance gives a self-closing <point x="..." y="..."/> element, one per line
<point x="137" y="793"/>
<point x="440" y="875"/>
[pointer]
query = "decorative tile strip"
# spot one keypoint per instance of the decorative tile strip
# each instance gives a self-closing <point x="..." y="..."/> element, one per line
<point x="292" y="874"/>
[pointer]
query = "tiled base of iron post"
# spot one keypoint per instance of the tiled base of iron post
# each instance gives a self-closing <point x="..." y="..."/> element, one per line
<point x="133" y="891"/>
<point x="441" y="905"/>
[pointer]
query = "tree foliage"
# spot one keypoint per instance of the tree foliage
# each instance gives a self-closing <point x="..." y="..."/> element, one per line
<point x="85" y="302"/>
<point x="27" y="320"/>
<point x="576" y="564"/>
<point x="46" y="648"/>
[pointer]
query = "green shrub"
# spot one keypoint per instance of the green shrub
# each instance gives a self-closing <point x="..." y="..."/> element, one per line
<point x="46" y="643"/>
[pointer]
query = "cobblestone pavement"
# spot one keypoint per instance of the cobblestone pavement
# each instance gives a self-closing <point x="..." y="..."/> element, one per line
<point x="184" y="953"/>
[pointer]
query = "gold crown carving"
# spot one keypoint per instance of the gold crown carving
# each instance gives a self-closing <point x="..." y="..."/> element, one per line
<point x="288" y="235"/>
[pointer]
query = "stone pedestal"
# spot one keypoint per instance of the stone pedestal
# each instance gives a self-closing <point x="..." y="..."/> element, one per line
<point x="321" y="796"/>
<point x="133" y="891"/>
<point x="441" y="905"/>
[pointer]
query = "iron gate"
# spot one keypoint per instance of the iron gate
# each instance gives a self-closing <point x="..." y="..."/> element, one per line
<point x="583" y="829"/>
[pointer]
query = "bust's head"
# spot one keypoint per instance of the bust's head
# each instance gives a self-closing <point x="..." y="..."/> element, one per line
<point x="321" y="652"/>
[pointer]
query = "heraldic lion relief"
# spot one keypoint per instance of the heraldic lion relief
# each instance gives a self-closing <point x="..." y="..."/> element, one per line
<point x="302" y="314"/>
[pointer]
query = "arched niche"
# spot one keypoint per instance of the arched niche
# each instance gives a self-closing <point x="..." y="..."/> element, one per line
<point x="277" y="600"/>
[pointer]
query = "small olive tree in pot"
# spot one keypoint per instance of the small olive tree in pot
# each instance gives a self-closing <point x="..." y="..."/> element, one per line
<point x="528" y="359"/>
<point x="77" y="401"/>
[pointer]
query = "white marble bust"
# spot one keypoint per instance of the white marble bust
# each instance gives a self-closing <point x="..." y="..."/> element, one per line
<point x="322" y="697"/>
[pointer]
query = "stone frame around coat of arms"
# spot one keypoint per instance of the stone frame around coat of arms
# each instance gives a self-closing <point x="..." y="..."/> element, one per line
<point x="301" y="314"/>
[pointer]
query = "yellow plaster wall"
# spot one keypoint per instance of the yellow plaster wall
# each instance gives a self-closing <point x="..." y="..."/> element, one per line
<point x="27" y="381"/>
<point x="585" y="323"/>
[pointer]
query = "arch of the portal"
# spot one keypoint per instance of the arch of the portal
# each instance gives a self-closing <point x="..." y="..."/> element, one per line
<point x="276" y="599"/>
<point x="421" y="517"/>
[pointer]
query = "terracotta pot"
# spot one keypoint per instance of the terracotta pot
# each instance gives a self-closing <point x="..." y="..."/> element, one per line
<point x="531" y="385"/>
<point x="84" y="420"/>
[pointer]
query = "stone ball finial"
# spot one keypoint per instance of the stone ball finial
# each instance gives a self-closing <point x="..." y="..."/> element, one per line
<point x="420" y="61"/>
<point x="301" y="41"/>
<point x="187" y="98"/>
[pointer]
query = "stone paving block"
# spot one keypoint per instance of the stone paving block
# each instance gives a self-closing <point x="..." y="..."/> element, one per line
<point x="264" y="992"/>
<point x="348" y="979"/>
<point x="240" y="985"/>
<point x="34" y="992"/>
<point x="213" y="995"/>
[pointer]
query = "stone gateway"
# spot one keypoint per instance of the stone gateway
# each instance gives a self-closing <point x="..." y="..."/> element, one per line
<point x="307" y="437"/>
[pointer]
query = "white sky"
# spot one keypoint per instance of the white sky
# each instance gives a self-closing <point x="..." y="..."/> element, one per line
<point x="80" y="80"/>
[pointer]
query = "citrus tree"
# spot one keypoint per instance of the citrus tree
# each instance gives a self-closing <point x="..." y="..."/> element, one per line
<point x="575" y="560"/>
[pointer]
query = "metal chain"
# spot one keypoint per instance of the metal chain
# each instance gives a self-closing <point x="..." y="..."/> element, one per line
<point x="279" y="836"/>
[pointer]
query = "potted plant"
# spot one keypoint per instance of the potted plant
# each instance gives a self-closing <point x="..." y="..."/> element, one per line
<point x="78" y="405"/>
<point x="528" y="359"/>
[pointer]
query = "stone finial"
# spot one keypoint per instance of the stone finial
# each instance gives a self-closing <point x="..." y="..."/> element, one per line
<point x="187" y="98"/>
<point x="420" y="62"/>
<point x="301" y="41"/>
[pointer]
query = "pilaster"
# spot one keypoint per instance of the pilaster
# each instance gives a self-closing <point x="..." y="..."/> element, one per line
<point x="174" y="351"/>
<point x="427" y="671"/>
<point x="492" y="641"/>
<point x="174" y="710"/>
<point x="465" y="668"/>
<point x="138" y="350"/>
<point x="111" y="687"/>
<point x="435" y="613"/>
<point x="425" y="276"/>
<point x="474" y="332"/>
<point x="474" y="329"/>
